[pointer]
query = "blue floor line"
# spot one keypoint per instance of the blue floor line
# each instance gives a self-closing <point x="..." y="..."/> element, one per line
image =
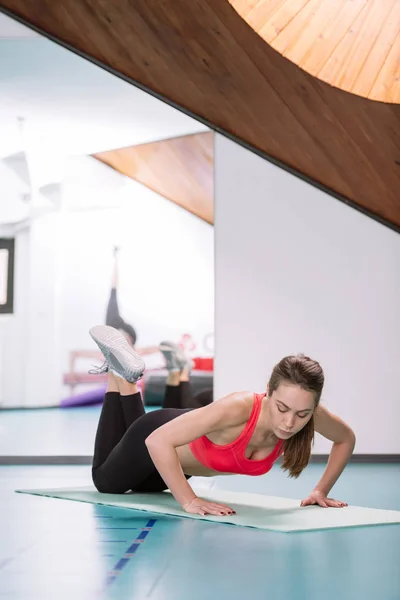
<point x="129" y="553"/>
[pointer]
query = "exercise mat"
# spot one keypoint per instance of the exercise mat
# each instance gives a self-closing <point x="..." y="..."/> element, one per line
<point x="252" y="510"/>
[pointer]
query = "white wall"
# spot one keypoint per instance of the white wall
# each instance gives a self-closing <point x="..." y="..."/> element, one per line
<point x="298" y="271"/>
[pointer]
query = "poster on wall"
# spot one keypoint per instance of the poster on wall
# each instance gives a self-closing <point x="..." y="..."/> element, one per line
<point x="6" y="275"/>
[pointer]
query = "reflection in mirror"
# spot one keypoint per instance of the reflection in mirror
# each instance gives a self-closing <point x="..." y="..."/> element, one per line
<point x="108" y="195"/>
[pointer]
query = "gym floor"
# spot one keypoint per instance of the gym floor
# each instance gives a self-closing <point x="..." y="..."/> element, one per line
<point x="52" y="548"/>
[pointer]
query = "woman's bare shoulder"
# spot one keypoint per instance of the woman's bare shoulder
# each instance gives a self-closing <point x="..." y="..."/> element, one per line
<point x="239" y="404"/>
<point x="229" y="411"/>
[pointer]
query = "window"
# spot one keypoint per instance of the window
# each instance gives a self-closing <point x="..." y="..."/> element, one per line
<point x="6" y="275"/>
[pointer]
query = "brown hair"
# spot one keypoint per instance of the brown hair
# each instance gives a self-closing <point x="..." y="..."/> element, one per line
<point x="306" y="373"/>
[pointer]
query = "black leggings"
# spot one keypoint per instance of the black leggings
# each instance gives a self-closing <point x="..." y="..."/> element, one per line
<point x="121" y="460"/>
<point x="114" y="319"/>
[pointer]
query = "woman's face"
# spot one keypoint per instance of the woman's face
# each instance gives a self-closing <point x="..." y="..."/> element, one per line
<point x="290" y="409"/>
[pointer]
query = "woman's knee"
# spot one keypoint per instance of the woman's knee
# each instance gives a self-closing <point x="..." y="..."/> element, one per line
<point x="105" y="486"/>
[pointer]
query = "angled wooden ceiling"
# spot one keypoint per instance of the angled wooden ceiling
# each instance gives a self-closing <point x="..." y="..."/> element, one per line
<point x="351" y="44"/>
<point x="180" y="169"/>
<point x="203" y="57"/>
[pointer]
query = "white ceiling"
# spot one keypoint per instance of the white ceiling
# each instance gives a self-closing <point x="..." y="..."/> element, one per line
<point x="71" y="105"/>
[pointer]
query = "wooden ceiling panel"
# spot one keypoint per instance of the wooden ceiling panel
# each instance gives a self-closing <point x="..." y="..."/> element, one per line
<point x="203" y="57"/>
<point x="347" y="43"/>
<point x="180" y="169"/>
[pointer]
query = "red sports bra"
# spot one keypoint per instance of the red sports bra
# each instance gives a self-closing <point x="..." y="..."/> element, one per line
<point x="231" y="457"/>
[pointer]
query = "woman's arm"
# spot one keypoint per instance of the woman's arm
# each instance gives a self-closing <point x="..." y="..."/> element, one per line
<point x="229" y="411"/>
<point x="343" y="438"/>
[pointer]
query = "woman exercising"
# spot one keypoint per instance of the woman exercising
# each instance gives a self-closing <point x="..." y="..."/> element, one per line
<point x="242" y="433"/>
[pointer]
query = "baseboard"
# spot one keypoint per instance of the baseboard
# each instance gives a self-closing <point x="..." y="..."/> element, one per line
<point x="28" y="408"/>
<point x="87" y="460"/>
<point x="361" y="458"/>
<point x="45" y="460"/>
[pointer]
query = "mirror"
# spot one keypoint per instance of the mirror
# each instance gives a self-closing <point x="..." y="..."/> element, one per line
<point x="107" y="198"/>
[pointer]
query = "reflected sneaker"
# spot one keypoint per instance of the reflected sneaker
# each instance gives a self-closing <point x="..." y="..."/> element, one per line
<point x="121" y="358"/>
<point x="175" y="358"/>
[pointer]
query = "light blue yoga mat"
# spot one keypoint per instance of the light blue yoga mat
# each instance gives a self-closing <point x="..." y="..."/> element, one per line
<point x="252" y="510"/>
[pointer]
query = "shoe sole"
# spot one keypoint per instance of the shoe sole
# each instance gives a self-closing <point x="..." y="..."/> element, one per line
<point x="120" y="356"/>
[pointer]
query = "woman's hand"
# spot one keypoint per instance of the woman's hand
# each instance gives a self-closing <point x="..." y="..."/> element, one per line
<point x="197" y="506"/>
<point x="319" y="498"/>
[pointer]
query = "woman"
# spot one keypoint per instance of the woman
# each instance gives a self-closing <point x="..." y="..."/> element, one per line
<point x="241" y="433"/>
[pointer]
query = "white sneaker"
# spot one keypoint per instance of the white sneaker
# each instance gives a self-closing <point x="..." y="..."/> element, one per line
<point x="120" y="357"/>
<point x="175" y="358"/>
